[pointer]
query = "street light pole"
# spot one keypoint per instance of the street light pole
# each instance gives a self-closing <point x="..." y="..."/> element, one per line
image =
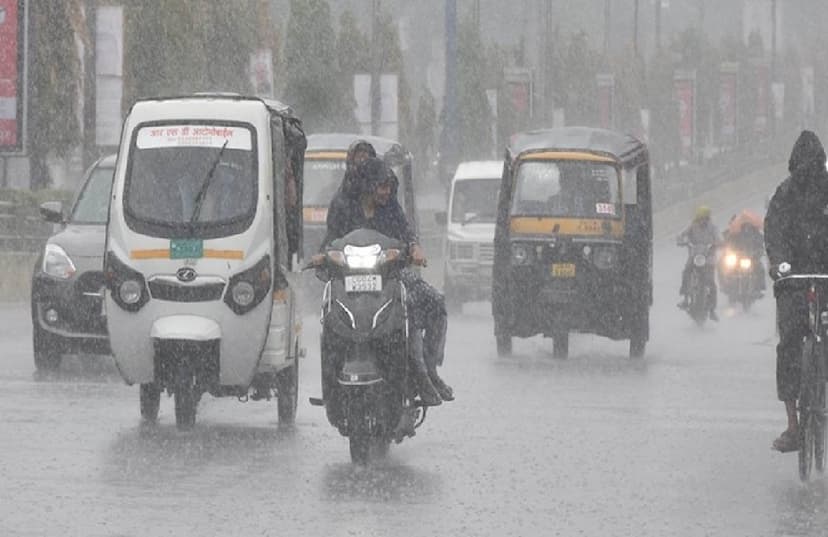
<point x="635" y="27"/>
<point x="606" y="27"/>
<point x="658" y="25"/>
<point x="448" y="143"/>
<point x="376" y="96"/>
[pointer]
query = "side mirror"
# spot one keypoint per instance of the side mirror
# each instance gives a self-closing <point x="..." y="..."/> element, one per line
<point x="441" y="217"/>
<point x="52" y="211"/>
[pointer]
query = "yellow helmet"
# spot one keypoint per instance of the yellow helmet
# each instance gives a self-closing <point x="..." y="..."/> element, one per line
<point x="702" y="212"/>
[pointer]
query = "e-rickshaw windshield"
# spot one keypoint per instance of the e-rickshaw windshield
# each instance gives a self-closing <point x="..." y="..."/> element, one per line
<point x="567" y="188"/>
<point x="174" y="168"/>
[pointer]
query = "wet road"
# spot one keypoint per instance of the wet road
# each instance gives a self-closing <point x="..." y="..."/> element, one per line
<point x="675" y="444"/>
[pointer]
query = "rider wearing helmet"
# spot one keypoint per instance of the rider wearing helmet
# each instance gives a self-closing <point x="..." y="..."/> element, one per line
<point x="372" y="205"/>
<point x="796" y="241"/>
<point x="701" y="231"/>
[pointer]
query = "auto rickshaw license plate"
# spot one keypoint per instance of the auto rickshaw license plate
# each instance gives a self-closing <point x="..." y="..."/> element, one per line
<point x="563" y="270"/>
<point x="363" y="283"/>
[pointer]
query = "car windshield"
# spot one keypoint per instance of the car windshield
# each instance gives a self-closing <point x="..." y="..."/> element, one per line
<point x="475" y="200"/>
<point x="172" y="166"/>
<point x="568" y="188"/>
<point x="322" y="179"/>
<point x="92" y="206"/>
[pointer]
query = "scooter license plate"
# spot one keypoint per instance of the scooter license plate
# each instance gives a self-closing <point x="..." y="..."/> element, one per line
<point x="563" y="270"/>
<point x="363" y="283"/>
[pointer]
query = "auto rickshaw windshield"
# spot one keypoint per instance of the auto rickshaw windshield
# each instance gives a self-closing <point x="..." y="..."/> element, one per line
<point x="167" y="176"/>
<point x="567" y="188"/>
<point x="322" y="179"/>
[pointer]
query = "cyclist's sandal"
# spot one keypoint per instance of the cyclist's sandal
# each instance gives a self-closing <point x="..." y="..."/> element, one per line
<point x="787" y="442"/>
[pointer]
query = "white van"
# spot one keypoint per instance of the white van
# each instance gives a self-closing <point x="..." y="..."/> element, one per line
<point x="470" y="225"/>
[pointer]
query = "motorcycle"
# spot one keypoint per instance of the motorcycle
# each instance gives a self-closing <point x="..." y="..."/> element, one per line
<point x="700" y="279"/>
<point x="738" y="277"/>
<point x="368" y="389"/>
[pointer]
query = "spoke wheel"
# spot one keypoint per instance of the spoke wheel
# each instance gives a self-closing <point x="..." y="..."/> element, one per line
<point x="819" y="429"/>
<point x="808" y="403"/>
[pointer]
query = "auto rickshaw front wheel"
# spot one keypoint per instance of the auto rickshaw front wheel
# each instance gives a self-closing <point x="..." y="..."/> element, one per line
<point x="150" y="398"/>
<point x="186" y="399"/>
<point x="287" y="390"/>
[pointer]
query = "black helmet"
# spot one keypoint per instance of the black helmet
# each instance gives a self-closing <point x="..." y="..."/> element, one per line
<point x="370" y="173"/>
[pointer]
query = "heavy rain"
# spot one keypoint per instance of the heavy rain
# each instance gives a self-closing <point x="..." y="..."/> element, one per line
<point x="393" y="267"/>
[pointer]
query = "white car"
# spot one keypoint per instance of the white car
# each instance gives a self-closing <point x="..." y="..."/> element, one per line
<point x="470" y="226"/>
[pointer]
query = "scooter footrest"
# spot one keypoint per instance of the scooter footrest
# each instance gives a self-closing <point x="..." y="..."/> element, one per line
<point x="316" y="401"/>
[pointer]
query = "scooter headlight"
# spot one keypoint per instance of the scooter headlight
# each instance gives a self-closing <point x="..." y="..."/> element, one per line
<point x="130" y="292"/>
<point x="362" y="257"/>
<point x="56" y="262"/>
<point x="521" y="255"/>
<point x="731" y="260"/>
<point x="243" y="293"/>
<point x="745" y="263"/>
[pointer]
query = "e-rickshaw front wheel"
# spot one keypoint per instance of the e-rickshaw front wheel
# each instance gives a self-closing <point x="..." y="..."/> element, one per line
<point x="287" y="386"/>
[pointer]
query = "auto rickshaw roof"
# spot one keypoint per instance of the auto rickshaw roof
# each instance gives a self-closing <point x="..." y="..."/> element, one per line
<point x="340" y="141"/>
<point x="586" y="139"/>
<point x="272" y="104"/>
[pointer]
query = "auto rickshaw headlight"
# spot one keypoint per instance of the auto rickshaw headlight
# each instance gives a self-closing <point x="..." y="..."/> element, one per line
<point x="605" y="257"/>
<point x="130" y="292"/>
<point x="521" y="255"/>
<point x="243" y="293"/>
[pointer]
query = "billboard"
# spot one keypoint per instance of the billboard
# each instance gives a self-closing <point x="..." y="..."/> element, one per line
<point x="684" y="86"/>
<point x="728" y="81"/>
<point x="12" y="74"/>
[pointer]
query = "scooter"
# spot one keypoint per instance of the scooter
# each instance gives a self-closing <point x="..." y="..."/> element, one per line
<point x="368" y="388"/>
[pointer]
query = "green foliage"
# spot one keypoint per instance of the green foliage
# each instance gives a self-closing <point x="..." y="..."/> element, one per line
<point x="55" y="75"/>
<point x="474" y="115"/>
<point x="177" y="47"/>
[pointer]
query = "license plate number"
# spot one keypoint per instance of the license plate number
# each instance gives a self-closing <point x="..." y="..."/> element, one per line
<point x="563" y="270"/>
<point x="363" y="283"/>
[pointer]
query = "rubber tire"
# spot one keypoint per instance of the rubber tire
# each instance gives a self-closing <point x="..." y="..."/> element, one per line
<point x="186" y="401"/>
<point x="806" y="416"/>
<point x="504" y="345"/>
<point x="560" y="344"/>
<point x="287" y="397"/>
<point x="640" y="331"/>
<point x="47" y="355"/>
<point x="819" y="431"/>
<point x="150" y="400"/>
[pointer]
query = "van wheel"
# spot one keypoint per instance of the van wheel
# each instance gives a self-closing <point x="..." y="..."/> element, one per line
<point x="150" y="401"/>
<point x="560" y="344"/>
<point x="47" y="356"/>
<point x="287" y="385"/>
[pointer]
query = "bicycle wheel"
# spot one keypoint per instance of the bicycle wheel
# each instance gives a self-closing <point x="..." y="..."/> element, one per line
<point x="807" y="406"/>
<point x="818" y="417"/>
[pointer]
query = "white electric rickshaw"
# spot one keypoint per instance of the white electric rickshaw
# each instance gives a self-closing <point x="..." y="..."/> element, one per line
<point x="204" y="233"/>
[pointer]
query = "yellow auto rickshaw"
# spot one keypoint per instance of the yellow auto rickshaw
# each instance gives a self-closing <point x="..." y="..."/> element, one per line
<point x="573" y="240"/>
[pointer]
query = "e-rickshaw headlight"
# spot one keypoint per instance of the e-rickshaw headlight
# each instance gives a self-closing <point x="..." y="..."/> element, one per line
<point x="243" y="293"/>
<point x="521" y="254"/>
<point x="130" y="292"/>
<point x="605" y="257"/>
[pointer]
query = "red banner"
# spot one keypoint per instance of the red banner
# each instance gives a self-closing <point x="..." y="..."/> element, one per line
<point x="727" y="106"/>
<point x="11" y="84"/>
<point x="685" y="95"/>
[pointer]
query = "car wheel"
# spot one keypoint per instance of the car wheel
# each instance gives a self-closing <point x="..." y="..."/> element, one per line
<point x="47" y="351"/>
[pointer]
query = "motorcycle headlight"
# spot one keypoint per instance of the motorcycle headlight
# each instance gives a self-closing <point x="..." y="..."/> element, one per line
<point x="731" y="260"/>
<point x="605" y="257"/>
<point x="521" y="254"/>
<point x="745" y="263"/>
<point x="362" y="257"/>
<point x="57" y="263"/>
<point x="130" y="292"/>
<point x="700" y="260"/>
<point x="243" y="293"/>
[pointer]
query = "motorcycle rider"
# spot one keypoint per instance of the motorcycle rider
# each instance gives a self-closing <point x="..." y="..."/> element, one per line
<point x="701" y="231"/>
<point x="376" y="208"/>
<point x="744" y="235"/>
<point x="796" y="239"/>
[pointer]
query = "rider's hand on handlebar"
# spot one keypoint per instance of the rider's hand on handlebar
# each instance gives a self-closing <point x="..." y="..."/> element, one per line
<point x="417" y="255"/>
<point x="317" y="259"/>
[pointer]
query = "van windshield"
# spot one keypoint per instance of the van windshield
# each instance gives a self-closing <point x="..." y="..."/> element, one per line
<point x="567" y="188"/>
<point x="172" y="166"/>
<point x="475" y="200"/>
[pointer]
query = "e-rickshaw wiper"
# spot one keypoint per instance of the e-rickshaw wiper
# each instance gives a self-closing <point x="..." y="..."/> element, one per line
<point x="199" y="200"/>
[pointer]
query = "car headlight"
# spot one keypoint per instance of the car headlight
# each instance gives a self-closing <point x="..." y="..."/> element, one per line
<point x="521" y="254"/>
<point x="130" y="292"/>
<point x="243" y="293"/>
<point x="57" y="263"/>
<point x="605" y="257"/>
<point x="362" y="257"/>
